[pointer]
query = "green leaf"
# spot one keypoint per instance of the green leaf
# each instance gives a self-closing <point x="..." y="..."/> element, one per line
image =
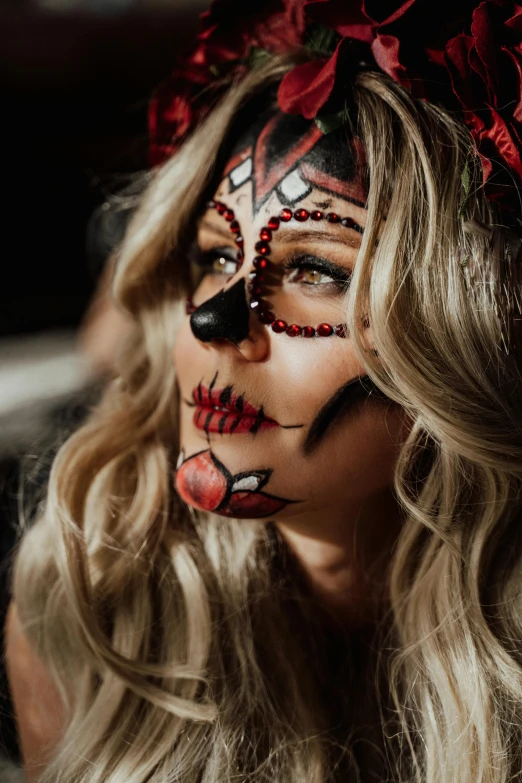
<point x="330" y="122"/>
<point x="258" y="56"/>
<point x="321" y="41"/>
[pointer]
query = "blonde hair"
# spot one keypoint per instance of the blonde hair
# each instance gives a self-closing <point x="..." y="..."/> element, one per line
<point x="168" y="631"/>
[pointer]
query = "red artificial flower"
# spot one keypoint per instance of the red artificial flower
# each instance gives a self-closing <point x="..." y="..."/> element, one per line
<point x="464" y="56"/>
<point x="486" y="74"/>
<point x="228" y="32"/>
<point x="306" y="88"/>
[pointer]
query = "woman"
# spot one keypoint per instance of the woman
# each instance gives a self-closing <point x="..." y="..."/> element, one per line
<point x="285" y="546"/>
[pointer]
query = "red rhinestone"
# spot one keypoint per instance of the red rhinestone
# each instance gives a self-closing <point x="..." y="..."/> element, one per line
<point x="266" y="317"/>
<point x="263" y="248"/>
<point x="317" y="214"/>
<point x="279" y="326"/>
<point x="308" y="331"/>
<point x="234" y="227"/>
<point x="348" y="222"/>
<point x="240" y="255"/>
<point x="260" y="262"/>
<point x="265" y="234"/>
<point x="285" y="215"/>
<point x="221" y="208"/>
<point x="293" y="330"/>
<point x="239" y="241"/>
<point x="341" y="330"/>
<point x="229" y="215"/>
<point x="324" y="330"/>
<point x="333" y="217"/>
<point x="255" y="290"/>
<point x="273" y="223"/>
<point x="301" y="215"/>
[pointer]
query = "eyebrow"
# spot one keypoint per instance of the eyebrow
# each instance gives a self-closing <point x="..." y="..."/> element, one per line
<point x="287" y="235"/>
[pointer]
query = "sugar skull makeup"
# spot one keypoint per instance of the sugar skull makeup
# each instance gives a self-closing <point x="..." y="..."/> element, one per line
<point x="277" y="290"/>
<point x="278" y="421"/>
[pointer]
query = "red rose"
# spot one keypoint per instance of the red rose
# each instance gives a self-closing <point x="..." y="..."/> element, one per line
<point x="486" y="71"/>
<point x="228" y="31"/>
<point x="306" y="88"/>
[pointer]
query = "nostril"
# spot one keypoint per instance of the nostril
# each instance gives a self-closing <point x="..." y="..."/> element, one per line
<point x="225" y="316"/>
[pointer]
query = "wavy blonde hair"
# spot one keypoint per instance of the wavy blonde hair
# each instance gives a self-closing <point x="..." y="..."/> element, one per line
<point x="183" y="645"/>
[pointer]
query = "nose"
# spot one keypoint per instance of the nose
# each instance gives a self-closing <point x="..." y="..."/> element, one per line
<point x="227" y="317"/>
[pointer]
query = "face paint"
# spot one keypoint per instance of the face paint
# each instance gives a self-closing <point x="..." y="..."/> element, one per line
<point x="344" y="401"/>
<point x="223" y="317"/>
<point x="268" y="280"/>
<point x="205" y="483"/>
<point x="299" y="200"/>
<point x="225" y="412"/>
<point x="288" y="155"/>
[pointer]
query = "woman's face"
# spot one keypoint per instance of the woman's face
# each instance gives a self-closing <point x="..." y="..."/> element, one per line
<point x="273" y="425"/>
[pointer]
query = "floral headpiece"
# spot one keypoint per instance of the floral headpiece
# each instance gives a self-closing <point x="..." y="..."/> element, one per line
<point x="463" y="55"/>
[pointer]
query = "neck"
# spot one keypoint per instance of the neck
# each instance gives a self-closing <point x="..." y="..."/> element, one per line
<point x="344" y="558"/>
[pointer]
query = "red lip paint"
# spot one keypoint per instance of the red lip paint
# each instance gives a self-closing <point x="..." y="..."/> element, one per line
<point x="228" y="423"/>
<point x="222" y="411"/>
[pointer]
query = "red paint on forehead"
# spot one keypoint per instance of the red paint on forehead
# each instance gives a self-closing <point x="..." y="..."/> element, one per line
<point x="350" y="190"/>
<point x="237" y="160"/>
<point x="280" y="145"/>
<point x="267" y="178"/>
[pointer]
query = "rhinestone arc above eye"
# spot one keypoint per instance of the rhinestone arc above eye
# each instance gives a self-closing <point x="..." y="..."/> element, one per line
<point x="261" y="263"/>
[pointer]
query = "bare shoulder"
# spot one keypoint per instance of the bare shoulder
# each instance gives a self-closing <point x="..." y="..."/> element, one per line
<point x="37" y="703"/>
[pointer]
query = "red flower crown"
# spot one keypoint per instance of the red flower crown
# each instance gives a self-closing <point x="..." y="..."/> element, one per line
<point x="463" y="55"/>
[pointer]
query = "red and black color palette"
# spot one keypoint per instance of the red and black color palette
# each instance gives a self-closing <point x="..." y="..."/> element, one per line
<point x="224" y="412"/>
<point x="262" y="264"/>
<point x="205" y="482"/>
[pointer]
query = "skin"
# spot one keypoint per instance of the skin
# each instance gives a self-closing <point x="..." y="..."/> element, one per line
<point x="330" y="462"/>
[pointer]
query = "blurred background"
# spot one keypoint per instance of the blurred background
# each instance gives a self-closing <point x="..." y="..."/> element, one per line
<point x="75" y="80"/>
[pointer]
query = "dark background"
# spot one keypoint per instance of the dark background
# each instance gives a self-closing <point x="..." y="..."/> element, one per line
<point x="74" y="89"/>
<point x="75" y="80"/>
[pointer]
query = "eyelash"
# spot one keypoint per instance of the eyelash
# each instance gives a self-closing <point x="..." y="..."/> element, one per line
<point x="298" y="261"/>
<point x="340" y="277"/>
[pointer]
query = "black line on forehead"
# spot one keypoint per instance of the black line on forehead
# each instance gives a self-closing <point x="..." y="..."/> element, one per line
<point x="287" y="154"/>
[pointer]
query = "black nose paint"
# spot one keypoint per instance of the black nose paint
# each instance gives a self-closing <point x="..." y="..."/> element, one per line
<point x="224" y="317"/>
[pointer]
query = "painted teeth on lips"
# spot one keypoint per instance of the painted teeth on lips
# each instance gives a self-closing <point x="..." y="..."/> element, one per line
<point x="220" y="410"/>
<point x="224" y="400"/>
